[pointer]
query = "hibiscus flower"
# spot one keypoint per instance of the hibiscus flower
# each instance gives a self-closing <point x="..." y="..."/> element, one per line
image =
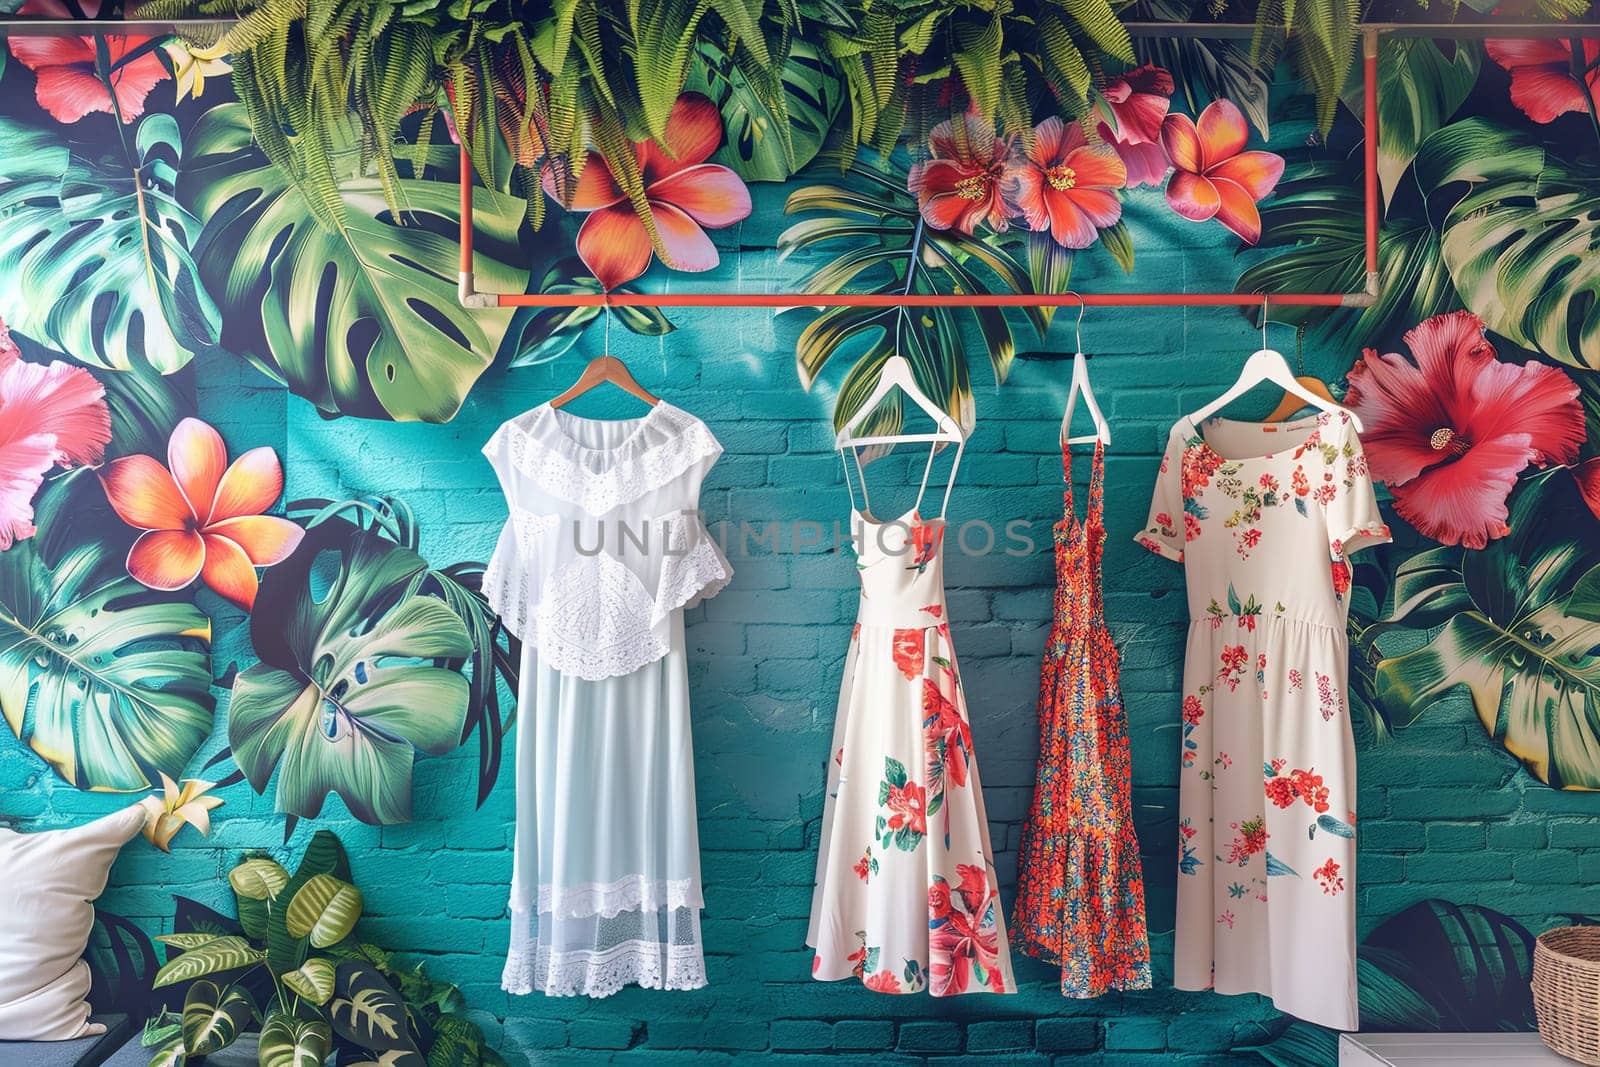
<point x="1066" y="187"/>
<point x="962" y="185"/>
<point x="202" y="517"/>
<point x="685" y="192"/>
<point x="909" y="806"/>
<point x="1138" y="103"/>
<point x="907" y="649"/>
<point x="946" y="732"/>
<point x="1450" y="433"/>
<point x="68" y="83"/>
<point x="883" y="982"/>
<point x="1215" y="177"/>
<point x="51" y="415"/>
<point x="963" y="941"/>
<point x="1543" y="85"/>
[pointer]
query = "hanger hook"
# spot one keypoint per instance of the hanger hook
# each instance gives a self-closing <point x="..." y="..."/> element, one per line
<point x="605" y="313"/>
<point x="1265" y="317"/>
<point x="1078" y="329"/>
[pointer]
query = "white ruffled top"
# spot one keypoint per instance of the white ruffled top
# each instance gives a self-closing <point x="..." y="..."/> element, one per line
<point x="604" y="540"/>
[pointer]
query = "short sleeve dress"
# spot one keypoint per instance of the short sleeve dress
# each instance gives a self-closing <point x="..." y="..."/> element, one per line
<point x="1264" y="516"/>
<point x="603" y="549"/>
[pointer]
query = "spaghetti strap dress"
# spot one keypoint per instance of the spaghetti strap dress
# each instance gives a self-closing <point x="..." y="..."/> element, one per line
<point x="1080" y="887"/>
<point x="906" y="896"/>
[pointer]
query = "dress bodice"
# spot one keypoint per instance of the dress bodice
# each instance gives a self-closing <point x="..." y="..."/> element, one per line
<point x="901" y="564"/>
<point x="1079" y="544"/>
<point x="604" y="539"/>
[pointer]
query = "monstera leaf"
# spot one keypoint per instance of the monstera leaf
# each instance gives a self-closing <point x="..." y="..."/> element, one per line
<point x="360" y="320"/>
<point x="290" y="1042"/>
<point x="1521" y="243"/>
<point x="350" y="682"/>
<point x="1523" y="640"/>
<point x="96" y="251"/>
<point x="107" y="680"/>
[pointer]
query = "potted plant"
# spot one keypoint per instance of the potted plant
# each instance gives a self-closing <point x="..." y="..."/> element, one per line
<point x="290" y="970"/>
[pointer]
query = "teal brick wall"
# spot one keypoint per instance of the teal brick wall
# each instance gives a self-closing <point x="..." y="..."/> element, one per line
<point x="1444" y="812"/>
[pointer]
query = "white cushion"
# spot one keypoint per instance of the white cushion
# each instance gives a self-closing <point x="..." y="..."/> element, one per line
<point x="48" y="885"/>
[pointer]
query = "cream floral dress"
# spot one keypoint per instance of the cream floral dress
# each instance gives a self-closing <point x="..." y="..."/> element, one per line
<point x="906" y="897"/>
<point x="1264" y="518"/>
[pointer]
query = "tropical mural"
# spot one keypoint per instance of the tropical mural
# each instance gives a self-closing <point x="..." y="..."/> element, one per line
<point x="167" y="200"/>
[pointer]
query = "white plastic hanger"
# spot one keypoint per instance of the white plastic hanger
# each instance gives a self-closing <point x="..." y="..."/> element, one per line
<point x="896" y="373"/>
<point x="1267" y="365"/>
<point x="1080" y="384"/>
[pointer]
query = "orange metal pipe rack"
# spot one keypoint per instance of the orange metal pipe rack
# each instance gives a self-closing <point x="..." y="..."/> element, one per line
<point x="470" y="297"/>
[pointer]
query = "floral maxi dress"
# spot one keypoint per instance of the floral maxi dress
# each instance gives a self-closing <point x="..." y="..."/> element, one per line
<point x="1267" y="785"/>
<point x="906" y="897"/>
<point x="1080" y="888"/>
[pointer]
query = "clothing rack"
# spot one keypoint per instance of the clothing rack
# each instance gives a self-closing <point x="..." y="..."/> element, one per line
<point x="471" y="297"/>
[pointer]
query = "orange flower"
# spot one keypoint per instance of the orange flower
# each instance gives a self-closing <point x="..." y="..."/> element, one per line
<point x="1214" y="176"/>
<point x="202" y="518"/>
<point x="687" y="197"/>
<point x="1066" y="187"/>
<point x="961" y="185"/>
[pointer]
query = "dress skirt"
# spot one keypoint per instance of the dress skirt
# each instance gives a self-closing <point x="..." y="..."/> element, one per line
<point x="606" y="884"/>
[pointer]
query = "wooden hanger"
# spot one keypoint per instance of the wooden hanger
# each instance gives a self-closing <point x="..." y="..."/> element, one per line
<point x="1269" y="366"/>
<point x="603" y="369"/>
<point x="1080" y="384"/>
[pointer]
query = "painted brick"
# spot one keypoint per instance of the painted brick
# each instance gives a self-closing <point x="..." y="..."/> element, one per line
<point x="860" y="1034"/>
<point x="802" y="1034"/>
<point x="1066" y="1035"/>
<point x="602" y="1034"/>
<point x="1135" y="1033"/>
<point x="1000" y="1036"/>
<point x="929" y="1037"/>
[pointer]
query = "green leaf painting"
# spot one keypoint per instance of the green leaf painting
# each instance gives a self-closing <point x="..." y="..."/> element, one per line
<point x="97" y="250"/>
<point x="1421" y="85"/>
<point x="762" y="145"/>
<point x="350" y="682"/>
<point x="361" y="320"/>
<point x="107" y="680"/>
<point x="1522" y="643"/>
<point x="1520" y="243"/>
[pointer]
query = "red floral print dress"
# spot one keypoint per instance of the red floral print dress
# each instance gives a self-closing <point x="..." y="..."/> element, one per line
<point x="1263" y="517"/>
<point x="906" y="896"/>
<point x="1080" y="887"/>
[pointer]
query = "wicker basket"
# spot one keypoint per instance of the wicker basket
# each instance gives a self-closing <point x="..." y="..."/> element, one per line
<point x="1566" y="991"/>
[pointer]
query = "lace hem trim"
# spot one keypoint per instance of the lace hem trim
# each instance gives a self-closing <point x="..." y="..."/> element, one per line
<point x="626" y="479"/>
<point x="600" y="973"/>
<point x="634" y="892"/>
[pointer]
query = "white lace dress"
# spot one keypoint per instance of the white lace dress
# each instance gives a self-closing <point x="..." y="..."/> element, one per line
<point x="603" y="549"/>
